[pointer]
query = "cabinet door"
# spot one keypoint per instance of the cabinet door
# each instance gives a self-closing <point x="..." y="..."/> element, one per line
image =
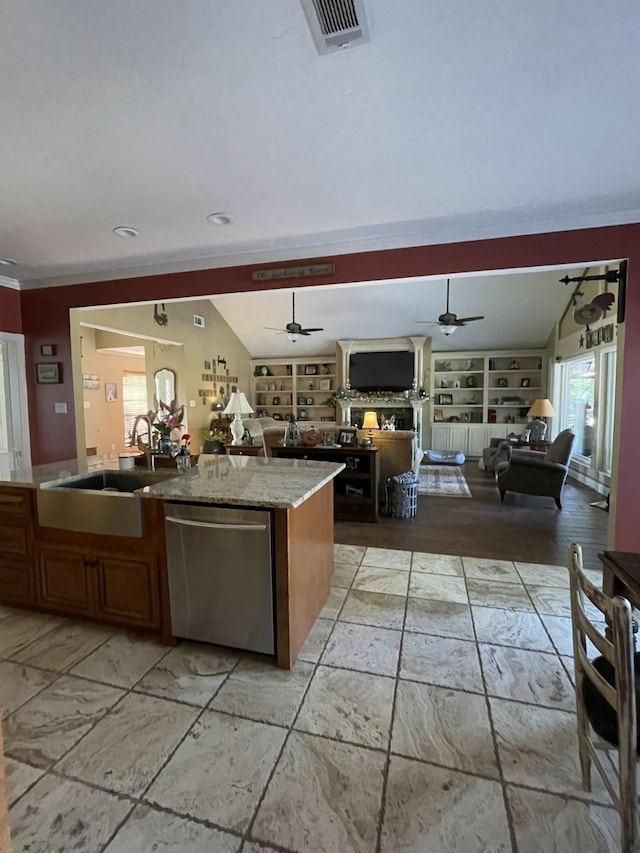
<point x="65" y="582"/>
<point x="128" y="590"/>
<point x="450" y="437"/>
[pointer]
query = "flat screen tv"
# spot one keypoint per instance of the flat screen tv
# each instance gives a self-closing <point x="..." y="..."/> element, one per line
<point x="381" y="371"/>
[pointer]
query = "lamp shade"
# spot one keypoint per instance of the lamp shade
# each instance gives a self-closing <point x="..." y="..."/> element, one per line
<point x="370" y="421"/>
<point x="542" y="409"/>
<point x="238" y="405"/>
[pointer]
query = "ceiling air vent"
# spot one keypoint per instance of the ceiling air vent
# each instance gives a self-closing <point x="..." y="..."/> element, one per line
<point x="336" y="24"/>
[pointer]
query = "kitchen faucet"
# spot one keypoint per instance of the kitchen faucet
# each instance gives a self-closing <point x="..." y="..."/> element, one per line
<point x="151" y="462"/>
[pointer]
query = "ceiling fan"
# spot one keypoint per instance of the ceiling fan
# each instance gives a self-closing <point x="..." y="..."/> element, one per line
<point x="294" y="330"/>
<point x="448" y="322"/>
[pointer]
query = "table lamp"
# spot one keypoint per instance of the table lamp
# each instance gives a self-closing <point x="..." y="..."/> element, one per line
<point x="370" y="422"/>
<point x="540" y="409"/>
<point x="237" y="406"/>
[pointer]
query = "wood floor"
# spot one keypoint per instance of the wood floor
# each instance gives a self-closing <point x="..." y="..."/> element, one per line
<point x="524" y="528"/>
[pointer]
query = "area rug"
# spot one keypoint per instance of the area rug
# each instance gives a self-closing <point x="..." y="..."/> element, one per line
<point x="445" y="481"/>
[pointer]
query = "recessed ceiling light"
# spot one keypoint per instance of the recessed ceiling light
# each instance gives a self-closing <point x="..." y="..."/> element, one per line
<point x="220" y="218"/>
<point x="8" y="262"/>
<point x="123" y="231"/>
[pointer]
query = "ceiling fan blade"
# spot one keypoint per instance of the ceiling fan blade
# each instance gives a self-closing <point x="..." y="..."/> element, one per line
<point x="307" y="331"/>
<point x="468" y="319"/>
<point x="428" y="322"/>
<point x="272" y="329"/>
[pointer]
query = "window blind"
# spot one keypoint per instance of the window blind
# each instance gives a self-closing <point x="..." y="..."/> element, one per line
<point x="134" y="400"/>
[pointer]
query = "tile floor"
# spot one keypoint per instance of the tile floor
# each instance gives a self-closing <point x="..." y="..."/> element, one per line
<point x="430" y="710"/>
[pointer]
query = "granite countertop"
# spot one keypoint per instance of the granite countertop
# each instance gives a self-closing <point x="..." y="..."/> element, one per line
<point x="247" y="480"/>
<point x="239" y="480"/>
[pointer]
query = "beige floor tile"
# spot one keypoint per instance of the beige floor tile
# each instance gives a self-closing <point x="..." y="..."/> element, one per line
<point x="122" y="660"/>
<point x="58" y="814"/>
<point x="511" y="628"/>
<point x="191" y="672"/>
<point x="492" y="570"/>
<point x="126" y="749"/>
<point x="318" y="799"/>
<point x="316" y="640"/>
<point x="438" y="587"/>
<point x="18" y="777"/>
<point x="539" y="574"/>
<point x="169" y="834"/>
<point x="559" y="627"/>
<point x="550" y="600"/>
<point x="65" y="645"/>
<point x="374" y="608"/>
<point x="343" y="574"/>
<point x="443" y="726"/>
<point x="387" y="558"/>
<point x="47" y="726"/>
<point x="526" y="676"/>
<point x="219" y="771"/>
<point x="503" y="596"/>
<point x="18" y="628"/>
<point x="259" y="690"/>
<point x="364" y="648"/>
<point x="441" y="660"/>
<point x="18" y="683"/>
<point x="545" y="822"/>
<point x="374" y="579"/>
<point x="441" y="618"/>
<point x="334" y="603"/>
<point x="429" y="808"/>
<point x="538" y="748"/>
<point x="348" y="553"/>
<point x="349" y="706"/>
<point x="436" y="564"/>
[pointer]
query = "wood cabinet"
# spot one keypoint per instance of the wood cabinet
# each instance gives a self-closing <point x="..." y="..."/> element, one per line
<point x="108" y="586"/>
<point x="298" y="387"/>
<point x="17" y="580"/>
<point x="355" y="493"/>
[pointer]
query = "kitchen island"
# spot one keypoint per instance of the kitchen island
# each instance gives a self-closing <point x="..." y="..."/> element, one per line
<point x="123" y="580"/>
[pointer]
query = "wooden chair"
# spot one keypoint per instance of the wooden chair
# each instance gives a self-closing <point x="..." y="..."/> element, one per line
<point x="606" y="694"/>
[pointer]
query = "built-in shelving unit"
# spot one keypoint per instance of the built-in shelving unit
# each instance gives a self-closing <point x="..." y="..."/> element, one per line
<point x="478" y="395"/>
<point x="298" y="387"/>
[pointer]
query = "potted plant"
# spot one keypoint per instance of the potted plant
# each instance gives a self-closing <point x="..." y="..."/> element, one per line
<point x="167" y="419"/>
<point x="213" y="440"/>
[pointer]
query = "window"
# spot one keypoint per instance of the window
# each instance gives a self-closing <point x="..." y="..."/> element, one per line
<point x="577" y="397"/>
<point x="608" y="406"/>
<point x="134" y="399"/>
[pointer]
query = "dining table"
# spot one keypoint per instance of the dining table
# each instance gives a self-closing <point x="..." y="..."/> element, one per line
<point x="621" y="576"/>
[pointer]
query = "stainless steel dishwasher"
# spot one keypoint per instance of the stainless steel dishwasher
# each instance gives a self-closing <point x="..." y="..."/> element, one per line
<point x="221" y="575"/>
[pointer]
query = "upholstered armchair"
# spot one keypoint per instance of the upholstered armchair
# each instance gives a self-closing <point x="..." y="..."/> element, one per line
<point x="532" y="472"/>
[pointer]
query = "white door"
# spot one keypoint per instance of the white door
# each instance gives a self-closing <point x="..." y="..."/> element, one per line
<point x="15" y="449"/>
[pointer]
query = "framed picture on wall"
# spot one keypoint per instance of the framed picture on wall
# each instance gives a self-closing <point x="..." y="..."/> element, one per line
<point x="48" y="373"/>
<point x="110" y="392"/>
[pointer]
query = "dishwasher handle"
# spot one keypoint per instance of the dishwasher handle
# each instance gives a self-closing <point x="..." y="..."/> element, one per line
<point x="186" y="522"/>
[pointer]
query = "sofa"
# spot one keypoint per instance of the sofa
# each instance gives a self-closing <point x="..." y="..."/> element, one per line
<point x="396" y="448"/>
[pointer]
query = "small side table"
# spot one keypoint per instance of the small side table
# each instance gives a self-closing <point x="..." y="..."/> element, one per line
<point x="244" y="449"/>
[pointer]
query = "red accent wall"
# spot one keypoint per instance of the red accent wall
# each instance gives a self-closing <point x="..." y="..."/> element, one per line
<point x="45" y="316"/>
<point x="10" y="310"/>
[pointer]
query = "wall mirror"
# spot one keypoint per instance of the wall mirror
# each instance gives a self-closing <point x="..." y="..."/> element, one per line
<point x="165" y="380"/>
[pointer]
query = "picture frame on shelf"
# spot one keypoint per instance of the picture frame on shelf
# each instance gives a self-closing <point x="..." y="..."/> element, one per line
<point x="275" y="401"/>
<point x="325" y="385"/>
<point x="48" y="373"/>
<point x="525" y="382"/>
<point x="438" y="415"/>
<point x="347" y="437"/>
<point x="310" y="369"/>
<point x="503" y="382"/>
<point x="445" y="399"/>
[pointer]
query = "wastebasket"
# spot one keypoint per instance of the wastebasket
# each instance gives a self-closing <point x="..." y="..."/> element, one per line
<point x="402" y="495"/>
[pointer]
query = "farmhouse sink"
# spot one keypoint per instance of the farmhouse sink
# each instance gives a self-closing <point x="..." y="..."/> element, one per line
<point x="102" y="502"/>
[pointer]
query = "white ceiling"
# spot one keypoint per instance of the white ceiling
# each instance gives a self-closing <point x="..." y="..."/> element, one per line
<point x="457" y="121"/>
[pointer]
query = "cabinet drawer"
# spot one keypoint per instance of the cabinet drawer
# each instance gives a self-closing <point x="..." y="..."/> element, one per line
<point x="15" y="535"/>
<point x="14" y="502"/>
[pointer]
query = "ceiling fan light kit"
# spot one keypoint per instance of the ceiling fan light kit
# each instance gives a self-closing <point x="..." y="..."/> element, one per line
<point x="293" y="330"/>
